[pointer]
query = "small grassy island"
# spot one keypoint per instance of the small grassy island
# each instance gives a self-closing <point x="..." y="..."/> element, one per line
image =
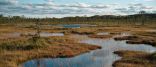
<point x="135" y="59"/>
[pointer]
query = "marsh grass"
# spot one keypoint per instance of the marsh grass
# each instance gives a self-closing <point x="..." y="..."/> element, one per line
<point x="153" y="56"/>
<point x="18" y="51"/>
<point x="28" y="44"/>
<point x="15" y="52"/>
<point x="135" y="59"/>
<point x="101" y="36"/>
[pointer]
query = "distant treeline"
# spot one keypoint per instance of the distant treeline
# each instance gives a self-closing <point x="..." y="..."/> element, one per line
<point x="105" y="19"/>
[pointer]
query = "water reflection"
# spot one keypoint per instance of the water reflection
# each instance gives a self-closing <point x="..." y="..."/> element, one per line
<point x="10" y="35"/>
<point x="72" y="25"/>
<point x="85" y="60"/>
<point x="45" y="34"/>
<point x="98" y="58"/>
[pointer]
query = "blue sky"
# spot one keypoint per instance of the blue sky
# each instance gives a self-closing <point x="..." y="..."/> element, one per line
<point x="63" y="8"/>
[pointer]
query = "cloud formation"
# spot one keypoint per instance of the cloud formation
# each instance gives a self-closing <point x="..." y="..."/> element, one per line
<point x="149" y="0"/>
<point x="49" y="7"/>
<point x="135" y="8"/>
<point x="8" y="2"/>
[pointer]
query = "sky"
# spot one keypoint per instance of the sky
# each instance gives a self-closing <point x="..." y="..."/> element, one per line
<point x="64" y="8"/>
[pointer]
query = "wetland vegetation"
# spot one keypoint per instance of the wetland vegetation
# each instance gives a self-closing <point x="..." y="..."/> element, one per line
<point x="124" y="41"/>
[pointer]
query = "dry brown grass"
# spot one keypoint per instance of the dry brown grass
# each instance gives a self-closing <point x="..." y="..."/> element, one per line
<point x="101" y="36"/>
<point x="59" y="47"/>
<point x="140" y="38"/>
<point x="134" y="59"/>
<point x="67" y="47"/>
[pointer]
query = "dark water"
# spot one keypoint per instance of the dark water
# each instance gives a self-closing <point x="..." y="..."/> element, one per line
<point x="71" y="25"/>
<point x="97" y="58"/>
<point x="76" y="25"/>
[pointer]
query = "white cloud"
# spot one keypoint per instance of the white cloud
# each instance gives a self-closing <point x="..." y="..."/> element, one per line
<point x="146" y="0"/>
<point x="149" y="0"/>
<point x="135" y="8"/>
<point x="8" y="2"/>
<point x="82" y="5"/>
<point x="49" y="0"/>
<point x="50" y="7"/>
<point x="13" y="1"/>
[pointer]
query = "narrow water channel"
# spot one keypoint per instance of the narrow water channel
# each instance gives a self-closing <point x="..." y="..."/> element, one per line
<point x="98" y="58"/>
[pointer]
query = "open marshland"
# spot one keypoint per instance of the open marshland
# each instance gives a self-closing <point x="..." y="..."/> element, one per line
<point x="61" y="33"/>
<point x="77" y="46"/>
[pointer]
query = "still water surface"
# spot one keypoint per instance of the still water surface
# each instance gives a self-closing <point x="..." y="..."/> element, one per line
<point x="98" y="58"/>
